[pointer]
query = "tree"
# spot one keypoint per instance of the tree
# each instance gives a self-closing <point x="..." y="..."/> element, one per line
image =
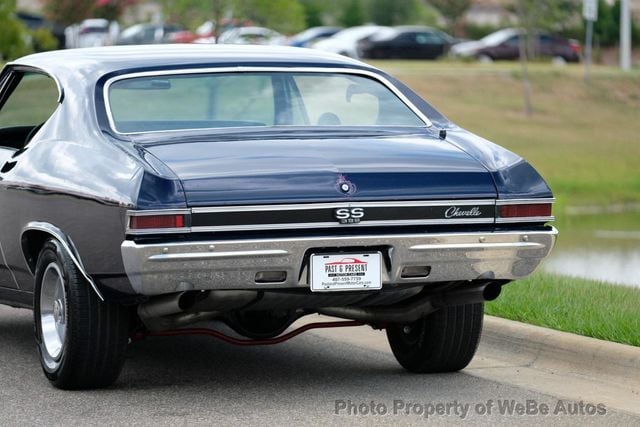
<point x="111" y="9"/>
<point x="189" y="13"/>
<point x="352" y="14"/>
<point x="384" y="12"/>
<point x="13" y="35"/>
<point x="68" y="12"/>
<point x="606" y="30"/>
<point x="452" y="11"/>
<point x="285" y="16"/>
<point x="313" y="12"/>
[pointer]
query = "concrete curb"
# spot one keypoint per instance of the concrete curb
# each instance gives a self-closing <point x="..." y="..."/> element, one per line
<point x="543" y="348"/>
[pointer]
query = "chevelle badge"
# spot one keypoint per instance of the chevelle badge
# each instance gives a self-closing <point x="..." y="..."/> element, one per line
<point x="456" y="212"/>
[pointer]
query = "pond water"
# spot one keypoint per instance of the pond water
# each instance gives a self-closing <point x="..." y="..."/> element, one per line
<point x="600" y="246"/>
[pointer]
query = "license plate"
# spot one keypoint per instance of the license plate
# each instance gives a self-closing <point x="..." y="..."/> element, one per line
<point x="345" y="272"/>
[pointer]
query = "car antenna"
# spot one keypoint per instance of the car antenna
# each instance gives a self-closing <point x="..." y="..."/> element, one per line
<point x="442" y="134"/>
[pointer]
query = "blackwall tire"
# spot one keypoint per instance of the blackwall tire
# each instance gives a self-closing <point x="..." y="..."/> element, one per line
<point x="81" y="340"/>
<point x="443" y="341"/>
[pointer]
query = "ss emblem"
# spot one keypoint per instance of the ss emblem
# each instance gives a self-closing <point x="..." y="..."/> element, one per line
<point x="349" y="215"/>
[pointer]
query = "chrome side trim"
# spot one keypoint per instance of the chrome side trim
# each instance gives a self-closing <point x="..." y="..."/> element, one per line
<point x="244" y="69"/>
<point x="155" y="269"/>
<point x="67" y="245"/>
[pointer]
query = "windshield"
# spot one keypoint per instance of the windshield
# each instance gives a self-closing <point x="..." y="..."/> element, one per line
<point x="223" y="100"/>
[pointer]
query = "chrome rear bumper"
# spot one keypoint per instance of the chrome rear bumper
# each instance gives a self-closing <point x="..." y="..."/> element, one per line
<point x="155" y="269"/>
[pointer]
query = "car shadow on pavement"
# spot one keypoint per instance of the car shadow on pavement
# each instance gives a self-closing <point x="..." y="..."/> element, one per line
<point x="305" y="361"/>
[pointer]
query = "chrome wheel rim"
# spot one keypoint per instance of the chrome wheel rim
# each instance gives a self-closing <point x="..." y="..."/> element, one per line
<point x="53" y="314"/>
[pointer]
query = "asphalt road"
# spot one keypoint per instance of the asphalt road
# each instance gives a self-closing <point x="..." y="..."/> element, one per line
<point x="202" y="381"/>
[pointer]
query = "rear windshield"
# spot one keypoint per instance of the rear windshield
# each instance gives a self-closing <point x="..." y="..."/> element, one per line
<point x="219" y="100"/>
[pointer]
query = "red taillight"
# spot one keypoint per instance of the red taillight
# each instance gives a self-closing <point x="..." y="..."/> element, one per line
<point x="525" y="210"/>
<point x="157" y="221"/>
<point x="575" y="46"/>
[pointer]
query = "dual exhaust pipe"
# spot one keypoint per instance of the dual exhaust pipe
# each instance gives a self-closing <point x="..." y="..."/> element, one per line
<point x="179" y="309"/>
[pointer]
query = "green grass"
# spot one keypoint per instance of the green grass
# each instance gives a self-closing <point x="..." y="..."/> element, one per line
<point x="583" y="307"/>
<point x="584" y="139"/>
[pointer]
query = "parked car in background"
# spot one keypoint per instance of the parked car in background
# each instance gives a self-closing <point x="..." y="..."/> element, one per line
<point x="312" y="35"/>
<point x="345" y="42"/>
<point x="184" y="36"/>
<point x="249" y="185"/>
<point x="504" y="45"/>
<point x="205" y="33"/>
<point x="406" y="42"/>
<point x="148" y="33"/>
<point x="93" y="33"/>
<point x="252" y="35"/>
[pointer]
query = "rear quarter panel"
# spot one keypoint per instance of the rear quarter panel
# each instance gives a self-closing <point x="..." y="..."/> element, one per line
<point x="71" y="177"/>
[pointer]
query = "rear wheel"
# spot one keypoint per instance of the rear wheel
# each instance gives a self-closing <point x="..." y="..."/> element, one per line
<point x="81" y="340"/>
<point x="443" y="341"/>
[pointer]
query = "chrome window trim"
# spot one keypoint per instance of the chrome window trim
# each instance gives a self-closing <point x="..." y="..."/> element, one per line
<point x="244" y="69"/>
<point x="12" y="67"/>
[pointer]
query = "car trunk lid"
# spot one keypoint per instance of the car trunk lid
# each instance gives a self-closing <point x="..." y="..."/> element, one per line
<point x="303" y="170"/>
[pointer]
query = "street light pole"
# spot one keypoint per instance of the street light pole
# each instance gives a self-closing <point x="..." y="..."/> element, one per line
<point x="590" y="14"/>
<point x="625" y="36"/>
<point x="588" y="52"/>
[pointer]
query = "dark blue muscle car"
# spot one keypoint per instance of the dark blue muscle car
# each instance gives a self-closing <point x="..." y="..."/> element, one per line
<point x="145" y="189"/>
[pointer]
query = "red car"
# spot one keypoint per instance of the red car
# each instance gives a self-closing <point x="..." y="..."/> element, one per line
<point x="504" y="44"/>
